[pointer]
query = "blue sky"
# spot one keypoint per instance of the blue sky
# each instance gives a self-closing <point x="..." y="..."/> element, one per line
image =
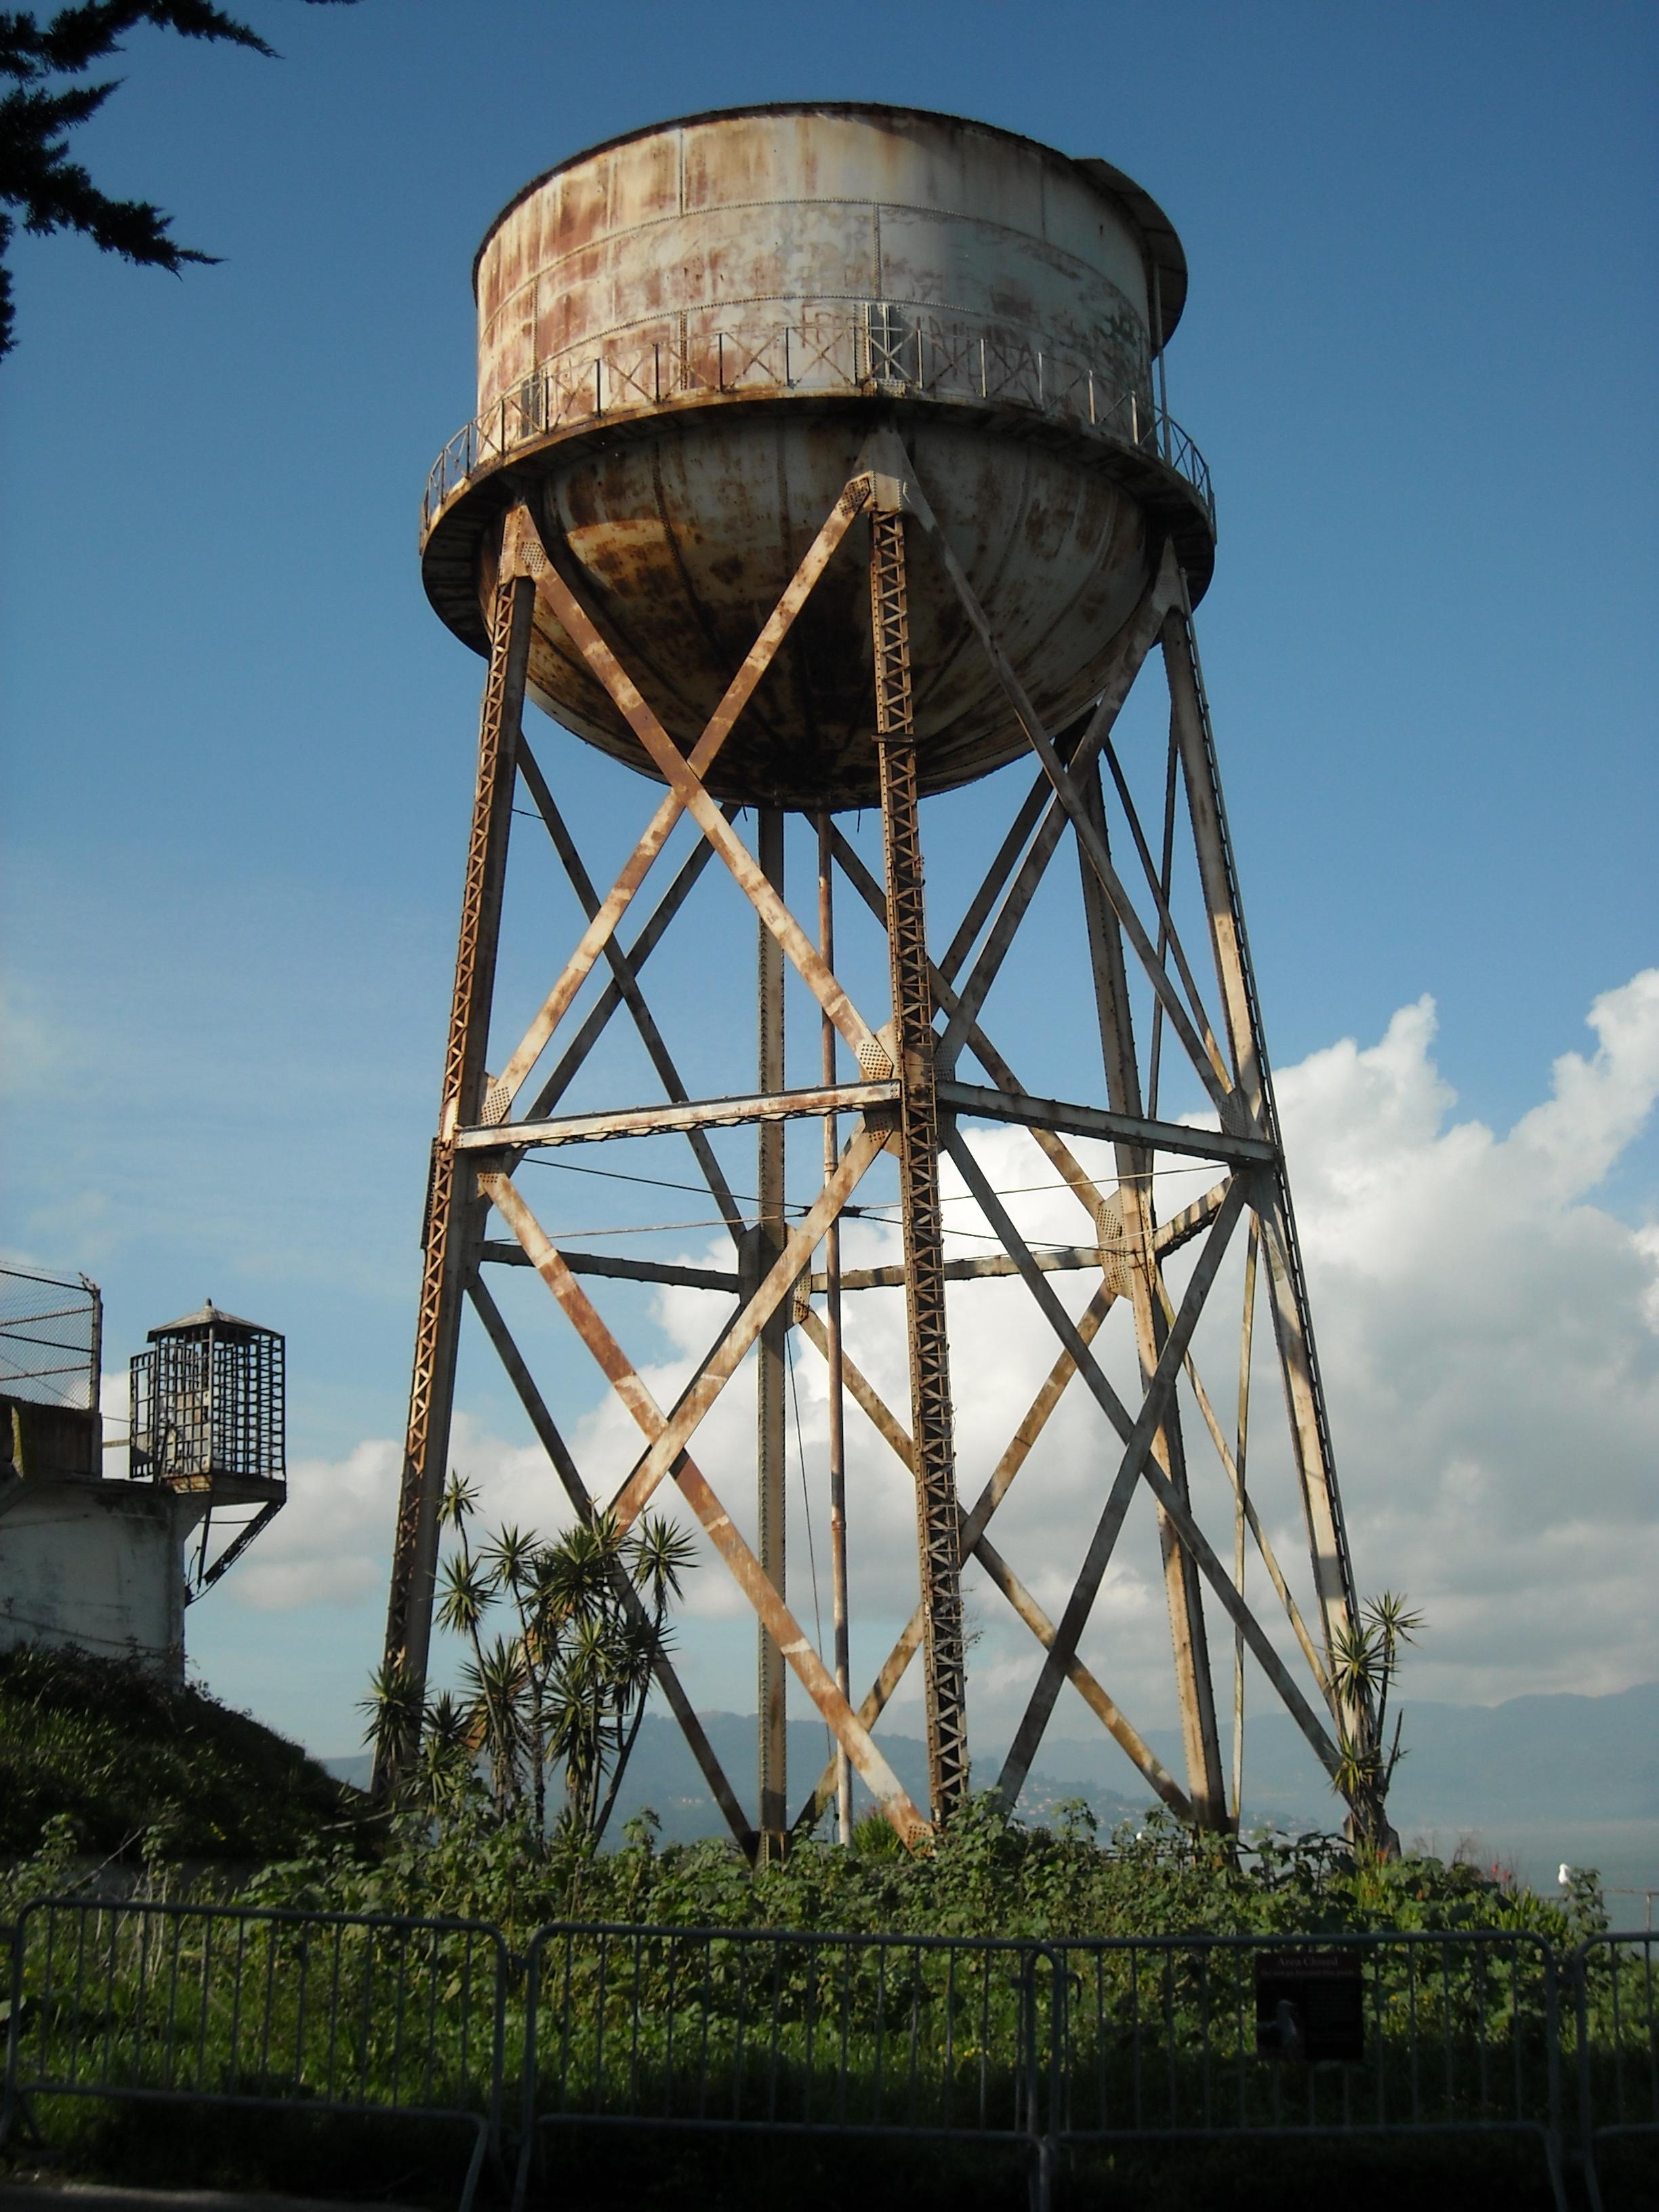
<point x="1418" y="354"/>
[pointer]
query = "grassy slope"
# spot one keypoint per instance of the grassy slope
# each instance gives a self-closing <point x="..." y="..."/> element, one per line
<point x="126" y="1756"/>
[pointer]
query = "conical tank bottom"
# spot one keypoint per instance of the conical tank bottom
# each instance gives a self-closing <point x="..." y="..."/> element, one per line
<point x="681" y="537"/>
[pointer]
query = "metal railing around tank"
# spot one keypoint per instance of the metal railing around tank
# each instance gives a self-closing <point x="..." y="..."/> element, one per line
<point x="874" y="347"/>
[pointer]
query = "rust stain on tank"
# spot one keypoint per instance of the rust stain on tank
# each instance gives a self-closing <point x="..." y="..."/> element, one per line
<point x="718" y="311"/>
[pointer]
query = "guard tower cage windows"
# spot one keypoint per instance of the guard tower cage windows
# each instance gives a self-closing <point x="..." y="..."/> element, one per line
<point x="207" y="1403"/>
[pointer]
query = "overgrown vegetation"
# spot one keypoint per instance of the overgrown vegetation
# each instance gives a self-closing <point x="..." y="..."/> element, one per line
<point x="99" y="1757"/>
<point x="986" y="1875"/>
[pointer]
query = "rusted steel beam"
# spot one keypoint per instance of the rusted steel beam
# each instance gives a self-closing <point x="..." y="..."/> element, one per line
<point x="1105" y="1709"/>
<point x="695" y="1114"/>
<point x="1166" y="878"/>
<point x="1141" y="1436"/>
<point x="938" y="1535"/>
<point x="746" y="1569"/>
<point x="662" y="1666"/>
<point x="1226" y="1104"/>
<point x="498" y="1253"/>
<point x="1182" y="1227"/>
<point x="686" y="785"/>
<point x="628" y="983"/>
<point x="1036" y="802"/>
<point x="977" y="1544"/>
<point x="639" y="862"/>
<point x="1195" y="1689"/>
<point x="1241" y="1461"/>
<point x="834" y="1349"/>
<point x="1136" y="640"/>
<point x="723" y="1362"/>
<point x="1245" y="1510"/>
<point x="1139" y="1463"/>
<point x="1267" y="1657"/>
<point x="980" y="1103"/>
<point x="1071" y="1170"/>
<point x="865" y="1395"/>
<point x="1055" y="1259"/>
<point x="1315" y="1458"/>
<point x="761" y="1248"/>
<point x="575" y="1056"/>
<point x="452" y="1220"/>
<point x="1169" y="937"/>
<point x="1019" y="1449"/>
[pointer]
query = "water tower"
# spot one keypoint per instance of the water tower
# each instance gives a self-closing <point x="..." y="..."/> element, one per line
<point x="822" y="462"/>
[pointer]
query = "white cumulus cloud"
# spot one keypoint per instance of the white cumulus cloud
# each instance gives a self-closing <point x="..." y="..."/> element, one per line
<point x="1490" y="1339"/>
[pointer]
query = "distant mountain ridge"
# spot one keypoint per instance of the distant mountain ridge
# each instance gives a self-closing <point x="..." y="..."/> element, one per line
<point x="1576" y="1776"/>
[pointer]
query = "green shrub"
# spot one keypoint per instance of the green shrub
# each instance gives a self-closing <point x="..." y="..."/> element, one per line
<point x="137" y="1766"/>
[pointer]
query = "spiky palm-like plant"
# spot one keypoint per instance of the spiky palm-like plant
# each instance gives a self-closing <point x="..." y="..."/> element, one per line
<point x="1365" y="1660"/>
<point x="566" y="1685"/>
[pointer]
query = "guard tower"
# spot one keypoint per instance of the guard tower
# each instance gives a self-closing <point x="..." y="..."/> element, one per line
<point x="208" y="1410"/>
<point x="823" y="462"/>
<point x="105" y="1556"/>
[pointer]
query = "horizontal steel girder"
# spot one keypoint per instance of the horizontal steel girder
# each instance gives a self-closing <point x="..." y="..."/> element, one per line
<point x="694" y="1113"/>
<point x="977" y="1101"/>
<point x="980" y="1102"/>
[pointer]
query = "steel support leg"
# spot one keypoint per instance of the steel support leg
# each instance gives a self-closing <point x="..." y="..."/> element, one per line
<point x="939" y="1531"/>
<point x="1182" y="1589"/>
<point x="770" y="1231"/>
<point x="833" y="1352"/>
<point x="453" y="1212"/>
<point x="1287" y="1286"/>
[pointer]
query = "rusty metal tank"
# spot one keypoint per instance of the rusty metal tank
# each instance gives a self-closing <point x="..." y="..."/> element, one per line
<point x="685" y="336"/>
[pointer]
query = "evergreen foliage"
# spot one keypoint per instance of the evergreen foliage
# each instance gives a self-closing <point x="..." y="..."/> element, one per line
<point x="46" y="190"/>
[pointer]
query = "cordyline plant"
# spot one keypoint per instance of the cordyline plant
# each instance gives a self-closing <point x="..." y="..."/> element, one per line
<point x="1365" y="1660"/>
<point x="565" y="1686"/>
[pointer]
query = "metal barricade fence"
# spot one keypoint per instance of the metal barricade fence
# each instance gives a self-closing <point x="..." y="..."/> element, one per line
<point x="1219" y="2036"/>
<point x="317" y="2012"/>
<point x="786" y="2033"/>
<point x="1040" y="2046"/>
<point x="1618" y="2039"/>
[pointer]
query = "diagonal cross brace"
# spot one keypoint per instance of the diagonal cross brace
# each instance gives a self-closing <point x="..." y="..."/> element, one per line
<point x="694" y="1487"/>
<point x="1139" y="1437"/>
<point x="576" y="1490"/>
<point x="975" y="1542"/>
<point x="1137" y="1460"/>
<point x="627" y="983"/>
<point x="655" y="836"/>
<point x="1228" y="1104"/>
<point x="574" y="1058"/>
<point x="687" y="787"/>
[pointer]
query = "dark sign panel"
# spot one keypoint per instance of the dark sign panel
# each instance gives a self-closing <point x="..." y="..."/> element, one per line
<point x="1310" y="2005"/>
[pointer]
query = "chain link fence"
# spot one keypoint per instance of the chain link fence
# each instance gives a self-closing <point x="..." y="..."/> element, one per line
<point x="51" y="1338"/>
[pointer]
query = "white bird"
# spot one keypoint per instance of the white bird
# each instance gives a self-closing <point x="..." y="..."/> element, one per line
<point x="1566" y="1876"/>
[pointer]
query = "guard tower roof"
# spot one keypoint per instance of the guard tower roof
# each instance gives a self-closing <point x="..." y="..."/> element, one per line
<point x="209" y="1315"/>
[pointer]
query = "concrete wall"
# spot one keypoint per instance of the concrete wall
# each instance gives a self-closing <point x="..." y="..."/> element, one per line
<point x="97" y="1563"/>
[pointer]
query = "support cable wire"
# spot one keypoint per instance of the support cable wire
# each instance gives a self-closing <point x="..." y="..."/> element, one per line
<point x="806" y="1515"/>
<point x="857" y="1213"/>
